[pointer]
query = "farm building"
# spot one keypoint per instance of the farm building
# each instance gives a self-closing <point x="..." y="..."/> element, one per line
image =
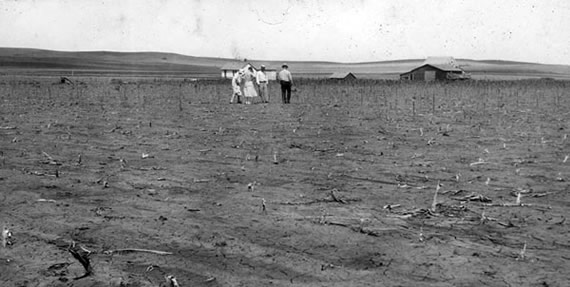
<point x="343" y="76"/>
<point x="230" y="69"/>
<point x="436" y="68"/>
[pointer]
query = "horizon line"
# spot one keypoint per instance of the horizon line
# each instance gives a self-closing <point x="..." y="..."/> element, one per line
<point x="267" y="60"/>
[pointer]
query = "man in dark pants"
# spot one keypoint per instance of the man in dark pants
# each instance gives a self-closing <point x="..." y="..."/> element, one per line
<point x="286" y="81"/>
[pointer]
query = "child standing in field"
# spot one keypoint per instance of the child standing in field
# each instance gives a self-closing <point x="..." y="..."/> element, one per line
<point x="248" y="88"/>
<point x="236" y="87"/>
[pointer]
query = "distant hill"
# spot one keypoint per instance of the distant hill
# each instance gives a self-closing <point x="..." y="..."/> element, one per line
<point x="47" y="62"/>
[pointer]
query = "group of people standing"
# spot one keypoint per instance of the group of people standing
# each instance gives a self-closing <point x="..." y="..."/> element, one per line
<point x="243" y="85"/>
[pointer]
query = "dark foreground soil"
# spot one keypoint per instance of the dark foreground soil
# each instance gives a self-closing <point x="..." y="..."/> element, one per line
<point x="282" y="195"/>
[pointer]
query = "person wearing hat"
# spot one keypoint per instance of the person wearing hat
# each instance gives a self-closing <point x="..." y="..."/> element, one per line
<point x="286" y="81"/>
<point x="236" y="87"/>
<point x="261" y="80"/>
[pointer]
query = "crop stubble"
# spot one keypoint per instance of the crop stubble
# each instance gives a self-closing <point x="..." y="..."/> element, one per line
<point x="347" y="174"/>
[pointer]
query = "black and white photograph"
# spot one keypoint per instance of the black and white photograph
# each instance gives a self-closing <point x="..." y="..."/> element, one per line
<point x="178" y="143"/>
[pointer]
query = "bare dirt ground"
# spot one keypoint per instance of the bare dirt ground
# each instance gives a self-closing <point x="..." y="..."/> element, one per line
<point x="348" y="196"/>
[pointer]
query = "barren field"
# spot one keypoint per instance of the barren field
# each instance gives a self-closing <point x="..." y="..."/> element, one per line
<point x="373" y="183"/>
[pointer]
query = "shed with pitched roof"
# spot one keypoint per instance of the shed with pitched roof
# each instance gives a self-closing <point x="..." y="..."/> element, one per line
<point x="343" y="76"/>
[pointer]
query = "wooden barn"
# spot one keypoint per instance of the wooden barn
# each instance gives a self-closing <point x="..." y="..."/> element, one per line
<point x="343" y="76"/>
<point x="435" y="68"/>
<point x="230" y="69"/>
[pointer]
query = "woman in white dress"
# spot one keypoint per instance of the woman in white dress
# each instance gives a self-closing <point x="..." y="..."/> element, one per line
<point x="249" y="88"/>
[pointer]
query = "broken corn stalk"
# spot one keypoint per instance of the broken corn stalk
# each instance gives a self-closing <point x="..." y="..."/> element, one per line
<point x="434" y="202"/>
<point x="171" y="281"/>
<point x="522" y="254"/>
<point x="263" y="205"/>
<point x="6" y="235"/>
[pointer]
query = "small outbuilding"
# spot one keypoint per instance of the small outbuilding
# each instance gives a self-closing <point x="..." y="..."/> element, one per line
<point x="436" y="68"/>
<point x="231" y="68"/>
<point x="343" y="76"/>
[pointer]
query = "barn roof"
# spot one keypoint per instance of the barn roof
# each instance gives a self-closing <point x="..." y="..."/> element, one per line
<point x="232" y="66"/>
<point x="445" y="68"/>
<point x="341" y="75"/>
<point x="441" y="67"/>
<point x="257" y="66"/>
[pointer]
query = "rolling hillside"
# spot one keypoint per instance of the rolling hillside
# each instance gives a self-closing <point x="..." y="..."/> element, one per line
<point x="46" y="62"/>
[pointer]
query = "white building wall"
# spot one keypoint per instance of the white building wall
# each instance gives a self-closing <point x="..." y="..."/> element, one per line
<point x="228" y="74"/>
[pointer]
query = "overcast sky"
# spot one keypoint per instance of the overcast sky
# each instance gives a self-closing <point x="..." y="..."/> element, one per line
<point x="344" y="31"/>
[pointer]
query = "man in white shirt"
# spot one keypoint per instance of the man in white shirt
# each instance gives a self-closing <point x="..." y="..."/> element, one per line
<point x="261" y="79"/>
<point x="286" y="81"/>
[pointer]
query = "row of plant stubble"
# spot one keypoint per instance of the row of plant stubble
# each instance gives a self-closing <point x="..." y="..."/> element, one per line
<point x="366" y="97"/>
